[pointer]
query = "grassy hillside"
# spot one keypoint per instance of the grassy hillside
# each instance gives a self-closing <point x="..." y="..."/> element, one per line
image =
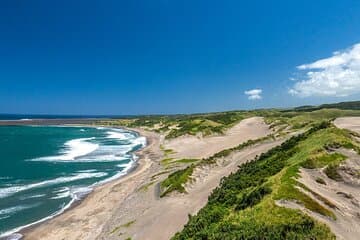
<point x="243" y="206"/>
<point x="354" y="105"/>
<point x="173" y="126"/>
<point x="178" y="125"/>
<point x="298" y="120"/>
<point x="176" y="180"/>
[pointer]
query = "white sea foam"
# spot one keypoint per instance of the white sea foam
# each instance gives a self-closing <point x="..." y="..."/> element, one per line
<point x="79" y="147"/>
<point x="62" y="189"/>
<point x="78" y="193"/>
<point x="5" y="178"/>
<point x="119" y="135"/>
<point x="12" y="210"/>
<point x="63" y="194"/>
<point x="4" y="217"/>
<point x="14" y="235"/>
<point x="6" y="192"/>
<point x="140" y="141"/>
<point x="74" y="149"/>
<point x="87" y="171"/>
<point x="124" y="165"/>
<point x="32" y="196"/>
<point x="82" y="150"/>
<point x="123" y="172"/>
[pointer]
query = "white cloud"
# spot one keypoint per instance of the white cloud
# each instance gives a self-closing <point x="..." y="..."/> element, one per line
<point x="338" y="75"/>
<point x="254" y="94"/>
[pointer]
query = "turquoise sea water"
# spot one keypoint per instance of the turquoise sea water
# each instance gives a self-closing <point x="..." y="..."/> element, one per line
<point x="44" y="169"/>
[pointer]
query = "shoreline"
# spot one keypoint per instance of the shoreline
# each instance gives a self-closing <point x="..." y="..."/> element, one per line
<point x="22" y="231"/>
<point x="130" y="207"/>
<point x="96" y="197"/>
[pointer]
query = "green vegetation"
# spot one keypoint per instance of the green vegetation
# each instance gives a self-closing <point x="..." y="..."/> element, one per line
<point x="186" y="160"/>
<point x="227" y="152"/>
<point x="166" y="161"/>
<point x="173" y="126"/>
<point x="304" y="120"/>
<point x="159" y="174"/>
<point x="170" y="161"/>
<point x="126" y="225"/>
<point x="354" y="105"/>
<point x="146" y="186"/>
<point x="175" y="181"/>
<point x="332" y="172"/>
<point x="243" y="206"/>
<point x="321" y="159"/>
<point x="320" y="180"/>
<point x="178" y="125"/>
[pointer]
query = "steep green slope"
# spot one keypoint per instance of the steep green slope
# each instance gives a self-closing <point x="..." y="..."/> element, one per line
<point x="244" y="205"/>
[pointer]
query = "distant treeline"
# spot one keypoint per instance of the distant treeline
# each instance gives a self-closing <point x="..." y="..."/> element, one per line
<point x="354" y="105"/>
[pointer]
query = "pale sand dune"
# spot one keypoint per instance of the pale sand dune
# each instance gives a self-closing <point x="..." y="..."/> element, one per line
<point x="161" y="218"/>
<point x="351" y="123"/>
<point x="122" y="209"/>
<point x="344" y="195"/>
<point x="197" y="147"/>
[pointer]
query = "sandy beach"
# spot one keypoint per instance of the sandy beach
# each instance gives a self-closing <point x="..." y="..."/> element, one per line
<point x="85" y="221"/>
<point x="131" y="207"/>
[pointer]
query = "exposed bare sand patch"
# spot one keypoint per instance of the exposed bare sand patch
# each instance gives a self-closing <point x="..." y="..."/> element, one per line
<point x="343" y="196"/>
<point x="198" y="147"/>
<point x="161" y="218"/>
<point x="351" y="123"/>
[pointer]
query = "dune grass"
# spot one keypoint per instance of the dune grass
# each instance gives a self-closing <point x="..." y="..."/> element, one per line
<point x="332" y="172"/>
<point x="321" y="159"/>
<point x="173" y="179"/>
<point x="176" y="180"/>
<point x="243" y="206"/>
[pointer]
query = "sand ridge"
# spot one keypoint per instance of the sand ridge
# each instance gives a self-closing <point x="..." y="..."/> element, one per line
<point x="202" y="147"/>
<point x="343" y="196"/>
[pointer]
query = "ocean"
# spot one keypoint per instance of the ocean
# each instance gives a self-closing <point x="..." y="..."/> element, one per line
<point x="45" y="169"/>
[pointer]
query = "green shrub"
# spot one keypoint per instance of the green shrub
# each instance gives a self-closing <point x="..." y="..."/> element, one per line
<point x="242" y="206"/>
<point x="175" y="181"/>
<point x="332" y="172"/>
<point x="320" y="180"/>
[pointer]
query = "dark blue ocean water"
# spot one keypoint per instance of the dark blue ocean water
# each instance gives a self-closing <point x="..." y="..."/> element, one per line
<point x="44" y="169"/>
<point x="43" y="116"/>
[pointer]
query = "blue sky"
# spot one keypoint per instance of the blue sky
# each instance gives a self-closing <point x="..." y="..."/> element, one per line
<point x="170" y="56"/>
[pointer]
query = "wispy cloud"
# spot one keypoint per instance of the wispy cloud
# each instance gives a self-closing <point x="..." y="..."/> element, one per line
<point x="338" y="75"/>
<point x="254" y="94"/>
